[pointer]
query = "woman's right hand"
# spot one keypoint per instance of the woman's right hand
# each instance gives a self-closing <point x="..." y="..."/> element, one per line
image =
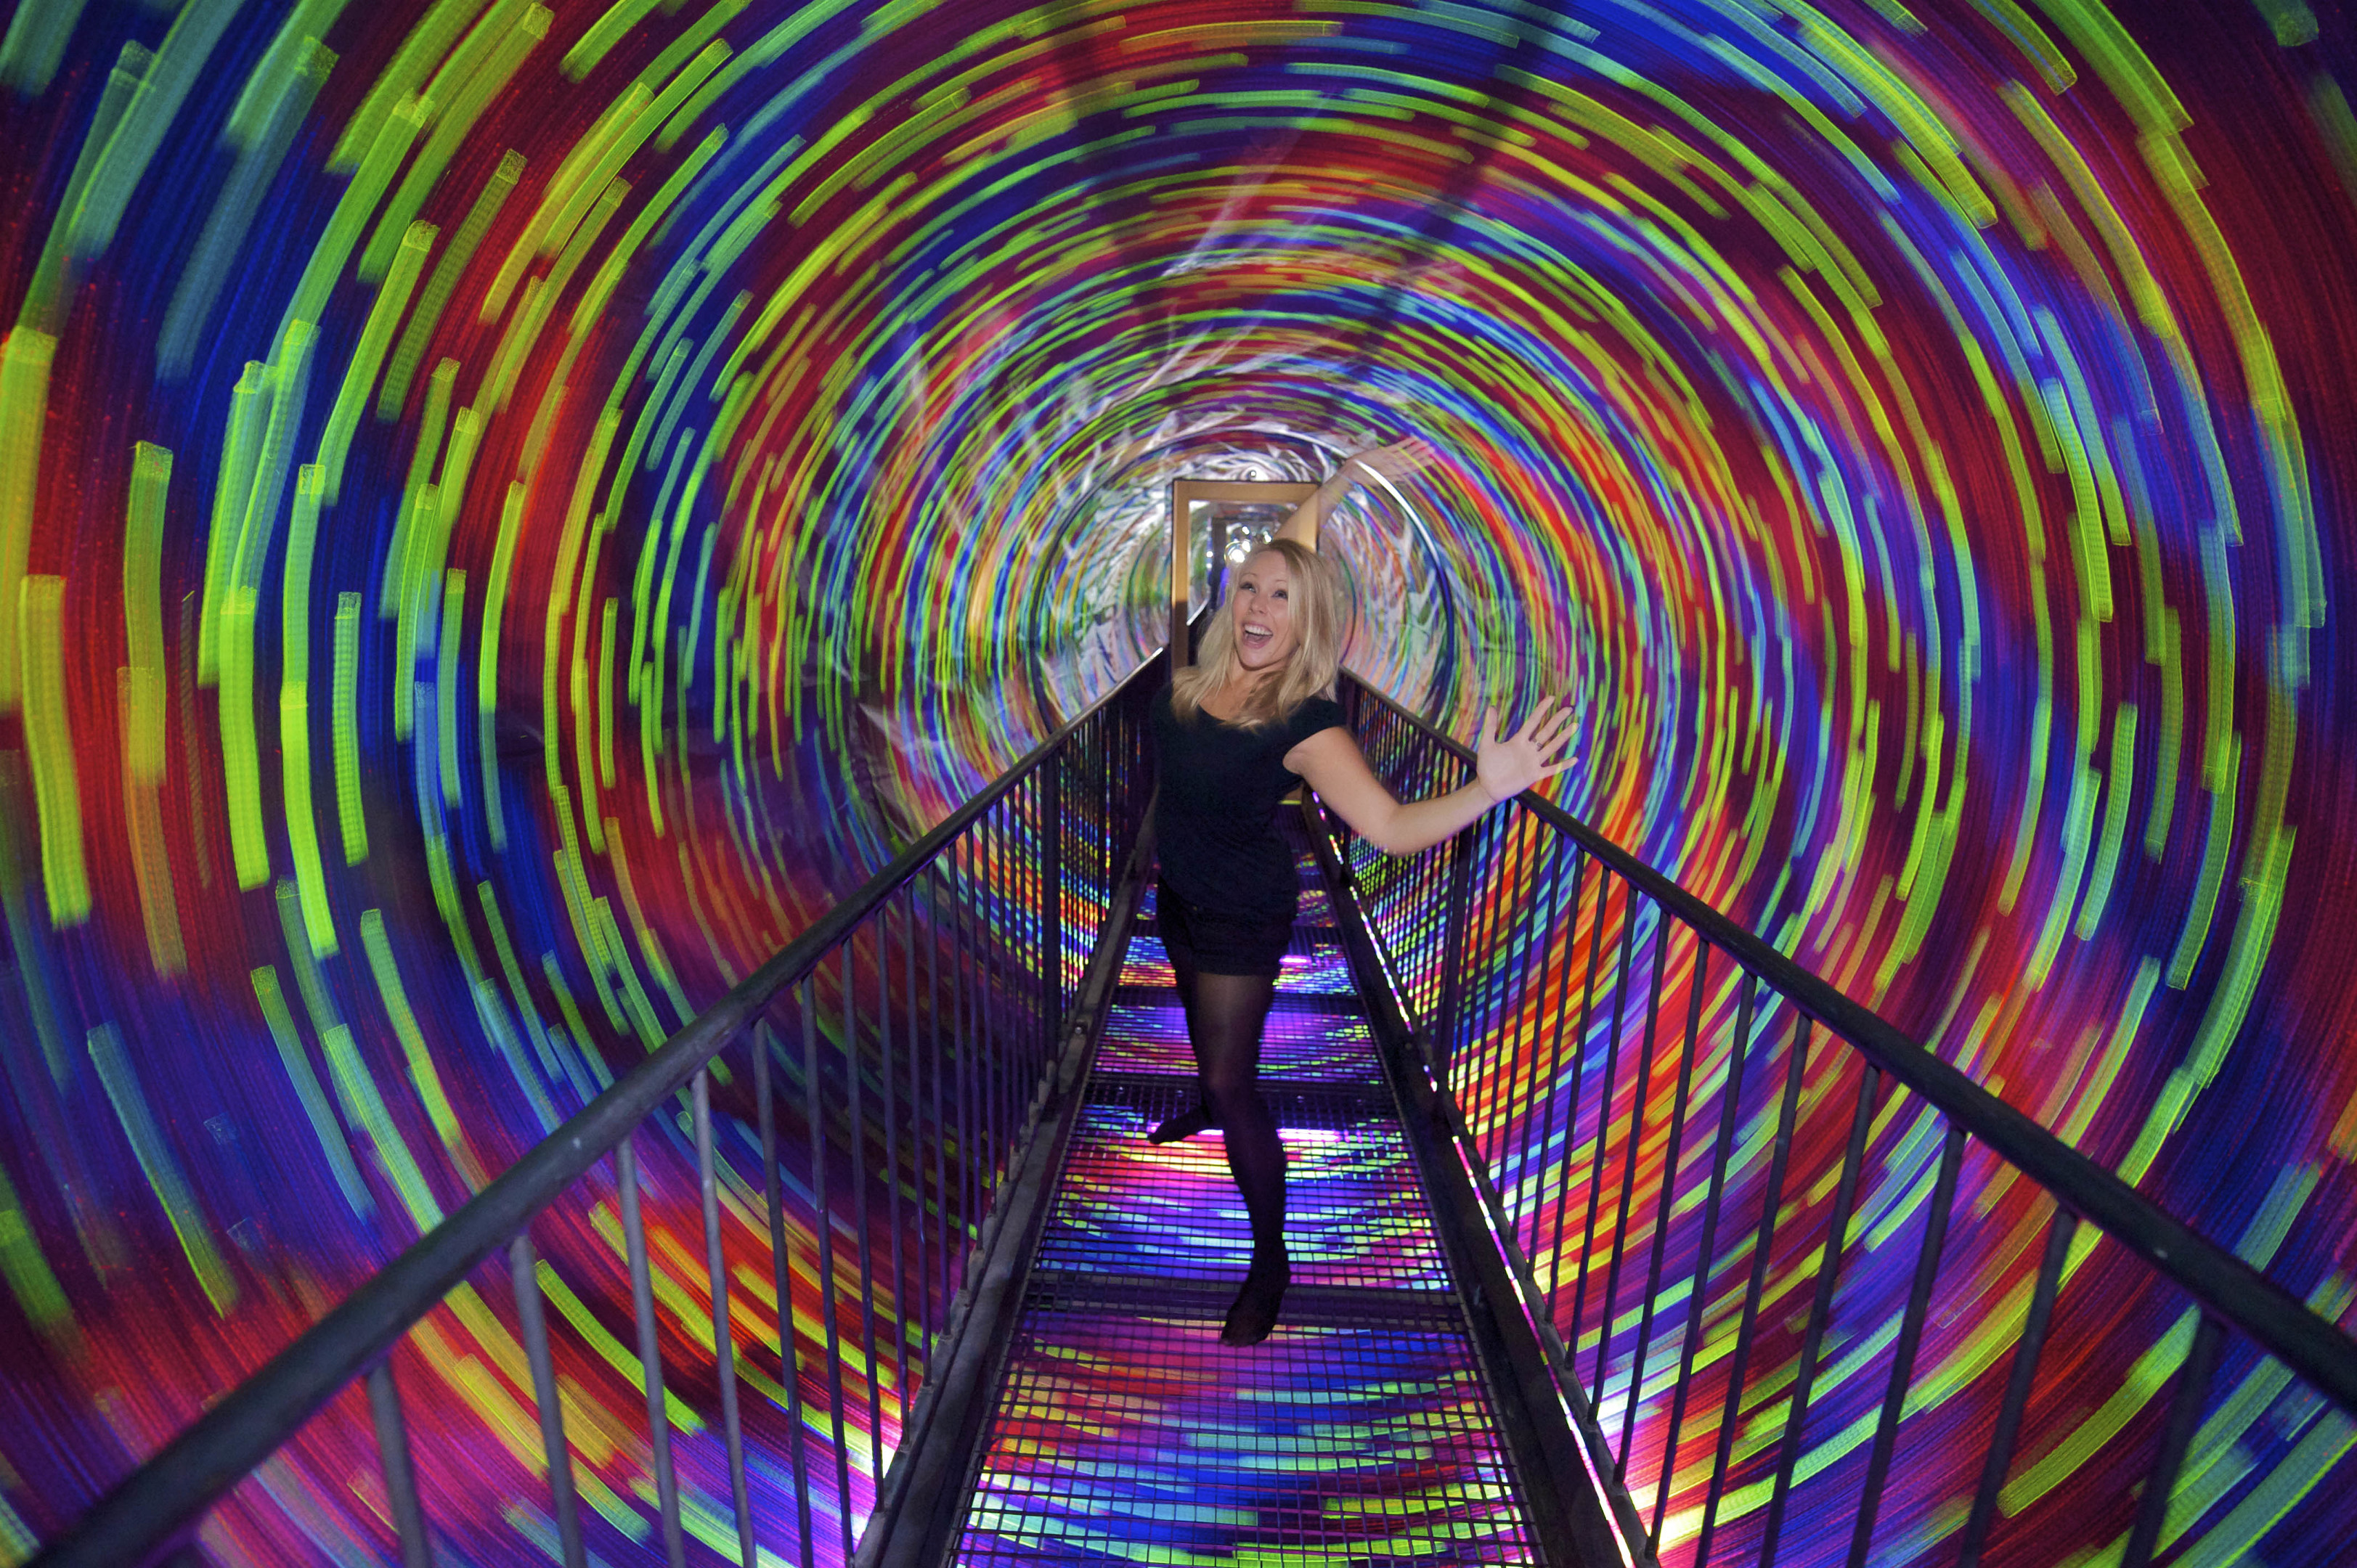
<point x="1508" y="764"/>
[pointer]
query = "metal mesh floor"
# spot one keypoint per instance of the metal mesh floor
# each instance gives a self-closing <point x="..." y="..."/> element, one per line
<point x="1143" y="1037"/>
<point x="1143" y="1439"/>
<point x="1353" y="1215"/>
<point x="1125" y="1433"/>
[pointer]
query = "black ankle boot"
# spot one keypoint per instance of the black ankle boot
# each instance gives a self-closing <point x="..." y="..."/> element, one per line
<point x="1257" y="1304"/>
<point x="1186" y="1124"/>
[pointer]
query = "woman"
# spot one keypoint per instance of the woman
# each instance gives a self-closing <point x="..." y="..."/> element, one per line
<point x="1232" y="734"/>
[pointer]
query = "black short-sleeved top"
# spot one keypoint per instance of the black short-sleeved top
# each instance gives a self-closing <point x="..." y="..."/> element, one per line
<point x="1215" y="819"/>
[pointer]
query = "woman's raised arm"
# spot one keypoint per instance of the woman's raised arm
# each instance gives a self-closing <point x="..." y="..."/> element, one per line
<point x="1332" y="763"/>
<point x="1394" y="463"/>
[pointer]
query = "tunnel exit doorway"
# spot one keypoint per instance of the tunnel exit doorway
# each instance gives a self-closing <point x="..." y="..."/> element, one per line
<point x="1234" y="508"/>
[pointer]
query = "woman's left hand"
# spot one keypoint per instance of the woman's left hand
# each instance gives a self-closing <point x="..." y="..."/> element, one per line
<point x="1398" y="460"/>
<point x="1510" y="765"/>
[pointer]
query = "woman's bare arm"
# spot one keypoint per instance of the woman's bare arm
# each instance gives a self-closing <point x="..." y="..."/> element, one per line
<point x="1334" y="767"/>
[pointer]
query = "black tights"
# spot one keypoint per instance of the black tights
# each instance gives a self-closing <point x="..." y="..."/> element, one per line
<point x="1225" y="1013"/>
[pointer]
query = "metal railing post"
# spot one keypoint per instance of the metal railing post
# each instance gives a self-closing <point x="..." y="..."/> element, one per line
<point x="1050" y="835"/>
<point x="1440" y="1042"/>
<point x="400" y="1473"/>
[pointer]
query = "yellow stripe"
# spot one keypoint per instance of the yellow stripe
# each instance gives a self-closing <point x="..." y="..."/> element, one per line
<point x="48" y="737"/>
<point x="24" y="414"/>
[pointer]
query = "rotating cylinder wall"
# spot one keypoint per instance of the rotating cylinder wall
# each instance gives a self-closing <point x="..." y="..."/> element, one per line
<point x="505" y="511"/>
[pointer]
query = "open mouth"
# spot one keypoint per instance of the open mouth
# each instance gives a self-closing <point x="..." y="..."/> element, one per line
<point x="1256" y="637"/>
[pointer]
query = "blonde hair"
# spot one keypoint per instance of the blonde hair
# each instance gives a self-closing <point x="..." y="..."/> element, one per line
<point x="1321" y="616"/>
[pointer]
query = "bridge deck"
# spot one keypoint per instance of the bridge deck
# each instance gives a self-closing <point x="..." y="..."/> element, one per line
<point x="1125" y="1433"/>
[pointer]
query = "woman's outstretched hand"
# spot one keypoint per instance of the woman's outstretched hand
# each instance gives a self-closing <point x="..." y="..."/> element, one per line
<point x="1510" y="765"/>
<point x="1398" y="460"/>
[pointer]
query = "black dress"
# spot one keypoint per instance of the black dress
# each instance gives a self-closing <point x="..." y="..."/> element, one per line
<point x="1228" y="888"/>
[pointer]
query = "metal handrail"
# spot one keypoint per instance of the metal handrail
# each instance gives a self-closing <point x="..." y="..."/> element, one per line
<point x="155" y="1502"/>
<point x="1586" y="1023"/>
<point x="2277" y="1320"/>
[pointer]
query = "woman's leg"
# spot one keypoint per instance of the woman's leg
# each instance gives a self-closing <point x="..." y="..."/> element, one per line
<point x="1197" y="1117"/>
<point x="1225" y="1022"/>
<point x="1226" y="1017"/>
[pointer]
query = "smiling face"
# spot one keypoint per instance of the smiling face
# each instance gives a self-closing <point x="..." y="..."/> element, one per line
<point x="1260" y="604"/>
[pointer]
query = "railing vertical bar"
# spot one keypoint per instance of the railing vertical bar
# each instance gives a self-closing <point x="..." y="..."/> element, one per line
<point x="934" y="935"/>
<point x="1639" y="1102"/>
<point x="1821" y="1311"/>
<point x="823" y="1212"/>
<point x="1471" y="1052"/>
<point x="1571" y="1115"/>
<point x="1057" y="898"/>
<point x="1427" y="945"/>
<point x="912" y="1034"/>
<point x="1419" y="953"/>
<point x="1014" y="911"/>
<point x="1047" y="837"/>
<point x="1116" y="775"/>
<point x="1007" y="949"/>
<point x="1457" y="894"/>
<point x="1348" y="843"/>
<point x="1496" y="835"/>
<point x="1419" y="883"/>
<point x="1507" y="939"/>
<point x="983" y="1049"/>
<point x="856" y="1119"/>
<point x="1455" y="935"/>
<point x="1014" y="902"/>
<point x="1416" y="954"/>
<point x="1015" y="908"/>
<point x="723" y="1342"/>
<point x="1526" y="1087"/>
<point x="1697" y="977"/>
<point x="967" y="1015"/>
<point x="643" y="1307"/>
<point x="2016" y="1388"/>
<point x="887" y="1070"/>
<point x="1381" y="897"/>
<point x="1561" y="1168"/>
<point x="1377" y="902"/>
<point x="1762" y="1243"/>
<point x="1038" y="904"/>
<point x="782" y="1272"/>
<point x="1529" y="957"/>
<point x="1604" y="1136"/>
<point x="989" y="1038"/>
<point x="1473" y="959"/>
<point x="400" y="1474"/>
<point x="1047" y="852"/>
<point x="1910" y="1336"/>
<point x="1730" y="1110"/>
<point x="1022" y="1000"/>
<point x="1057" y="864"/>
<point x="1030" y="906"/>
<point x="1101" y="833"/>
<point x="532" y="1321"/>
<point x="2184" y="1414"/>
<point x="1555" y="950"/>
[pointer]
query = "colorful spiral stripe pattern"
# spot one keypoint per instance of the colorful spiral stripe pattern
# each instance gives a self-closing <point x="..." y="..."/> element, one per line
<point x="507" y="509"/>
